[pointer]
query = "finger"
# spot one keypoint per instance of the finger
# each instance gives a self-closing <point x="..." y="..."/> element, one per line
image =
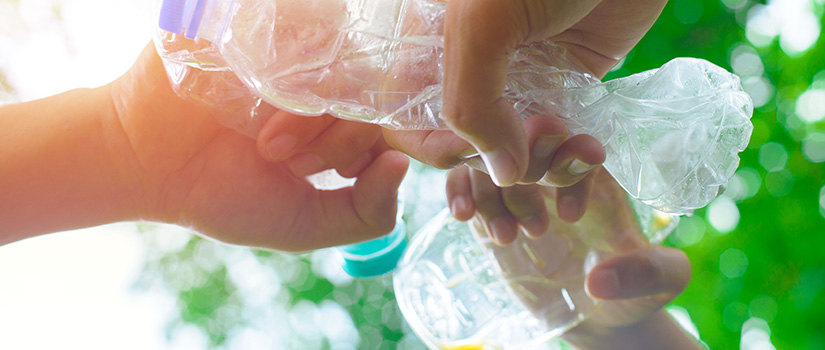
<point x="367" y="209"/>
<point x="573" y="160"/>
<point x="355" y="168"/>
<point x="472" y="103"/>
<point x="285" y="132"/>
<point x="572" y="200"/>
<point x="526" y="204"/>
<point x="441" y="149"/>
<point x="460" y="193"/>
<point x="339" y="146"/>
<point x="545" y="134"/>
<point x="648" y="272"/>
<point x="475" y="66"/>
<point x="489" y="204"/>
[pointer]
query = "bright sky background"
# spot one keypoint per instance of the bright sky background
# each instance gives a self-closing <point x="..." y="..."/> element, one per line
<point x="73" y="290"/>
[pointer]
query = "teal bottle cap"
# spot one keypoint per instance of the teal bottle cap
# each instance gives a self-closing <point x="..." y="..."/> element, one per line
<point x="375" y="257"/>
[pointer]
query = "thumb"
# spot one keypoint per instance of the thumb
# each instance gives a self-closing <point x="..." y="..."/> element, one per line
<point x="367" y="209"/>
<point x="655" y="271"/>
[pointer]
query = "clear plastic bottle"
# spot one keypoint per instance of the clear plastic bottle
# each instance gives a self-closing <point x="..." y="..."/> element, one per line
<point x="457" y="289"/>
<point x="198" y="72"/>
<point x="672" y="135"/>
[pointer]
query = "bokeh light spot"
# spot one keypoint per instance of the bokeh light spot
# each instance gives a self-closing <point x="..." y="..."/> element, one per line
<point x="793" y="21"/>
<point x="761" y="27"/>
<point x="810" y="106"/>
<point x="779" y="183"/>
<point x="745" y="61"/>
<point x="733" y="263"/>
<point x="690" y="231"/>
<point x="723" y="214"/>
<point x="773" y="156"/>
<point x="764" y="307"/>
<point x="744" y="184"/>
<point x="734" y="315"/>
<point x="799" y="35"/>
<point x="735" y="4"/>
<point x="756" y="335"/>
<point x="759" y="88"/>
<point x="813" y="147"/>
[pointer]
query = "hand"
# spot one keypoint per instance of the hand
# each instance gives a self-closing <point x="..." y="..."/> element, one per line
<point x="633" y="284"/>
<point x="633" y="288"/>
<point x="201" y="174"/>
<point x="555" y="161"/>
<point x="308" y="145"/>
<point x="596" y="33"/>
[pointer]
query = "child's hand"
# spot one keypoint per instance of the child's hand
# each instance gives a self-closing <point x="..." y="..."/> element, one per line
<point x="633" y="284"/>
<point x="556" y="161"/>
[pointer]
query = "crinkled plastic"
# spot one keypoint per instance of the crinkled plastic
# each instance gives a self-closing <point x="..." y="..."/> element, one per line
<point x="457" y="288"/>
<point x="197" y="71"/>
<point x="672" y="135"/>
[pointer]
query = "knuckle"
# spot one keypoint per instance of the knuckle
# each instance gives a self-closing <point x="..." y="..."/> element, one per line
<point x="458" y="119"/>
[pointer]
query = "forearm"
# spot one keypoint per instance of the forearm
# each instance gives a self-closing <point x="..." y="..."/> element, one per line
<point x="658" y="331"/>
<point x="65" y="163"/>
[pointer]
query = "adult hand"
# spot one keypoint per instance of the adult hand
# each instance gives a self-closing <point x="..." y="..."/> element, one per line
<point x="201" y="174"/>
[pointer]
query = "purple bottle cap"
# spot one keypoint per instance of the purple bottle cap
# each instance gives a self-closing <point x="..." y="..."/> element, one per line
<point x="195" y="21"/>
<point x="182" y="16"/>
<point x="171" y="16"/>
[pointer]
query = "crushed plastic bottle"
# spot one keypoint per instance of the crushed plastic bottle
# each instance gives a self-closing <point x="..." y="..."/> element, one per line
<point x="455" y="287"/>
<point x="672" y="134"/>
<point x="672" y="137"/>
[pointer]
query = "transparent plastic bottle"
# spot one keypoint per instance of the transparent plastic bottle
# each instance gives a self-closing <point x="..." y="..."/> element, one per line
<point x="458" y="289"/>
<point x="672" y="135"/>
<point x="198" y="72"/>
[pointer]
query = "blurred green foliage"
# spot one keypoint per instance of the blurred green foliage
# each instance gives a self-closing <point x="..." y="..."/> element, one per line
<point x="756" y="252"/>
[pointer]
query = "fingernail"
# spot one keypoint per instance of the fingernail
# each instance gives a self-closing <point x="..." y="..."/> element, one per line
<point x="468" y="153"/>
<point x="499" y="230"/>
<point x="501" y="167"/>
<point x="544" y="145"/>
<point x="306" y="164"/>
<point x="568" y="208"/>
<point x="356" y="167"/>
<point x="578" y="167"/>
<point x="533" y="226"/>
<point x="604" y="284"/>
<point x="280" y="146"/>
<point x="459" y="205"/>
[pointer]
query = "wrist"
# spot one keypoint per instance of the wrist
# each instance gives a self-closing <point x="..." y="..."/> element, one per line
<point x="121" y="155"/>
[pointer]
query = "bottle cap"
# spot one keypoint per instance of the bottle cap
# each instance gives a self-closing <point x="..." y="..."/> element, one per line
<point x="182" y="16"/>
<point x="377" y="256"/>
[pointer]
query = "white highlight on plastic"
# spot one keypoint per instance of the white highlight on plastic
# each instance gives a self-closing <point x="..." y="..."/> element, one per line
<point x="567" y="299"/>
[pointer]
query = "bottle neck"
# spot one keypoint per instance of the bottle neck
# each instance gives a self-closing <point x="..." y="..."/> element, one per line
<point x="195" y="19"/>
